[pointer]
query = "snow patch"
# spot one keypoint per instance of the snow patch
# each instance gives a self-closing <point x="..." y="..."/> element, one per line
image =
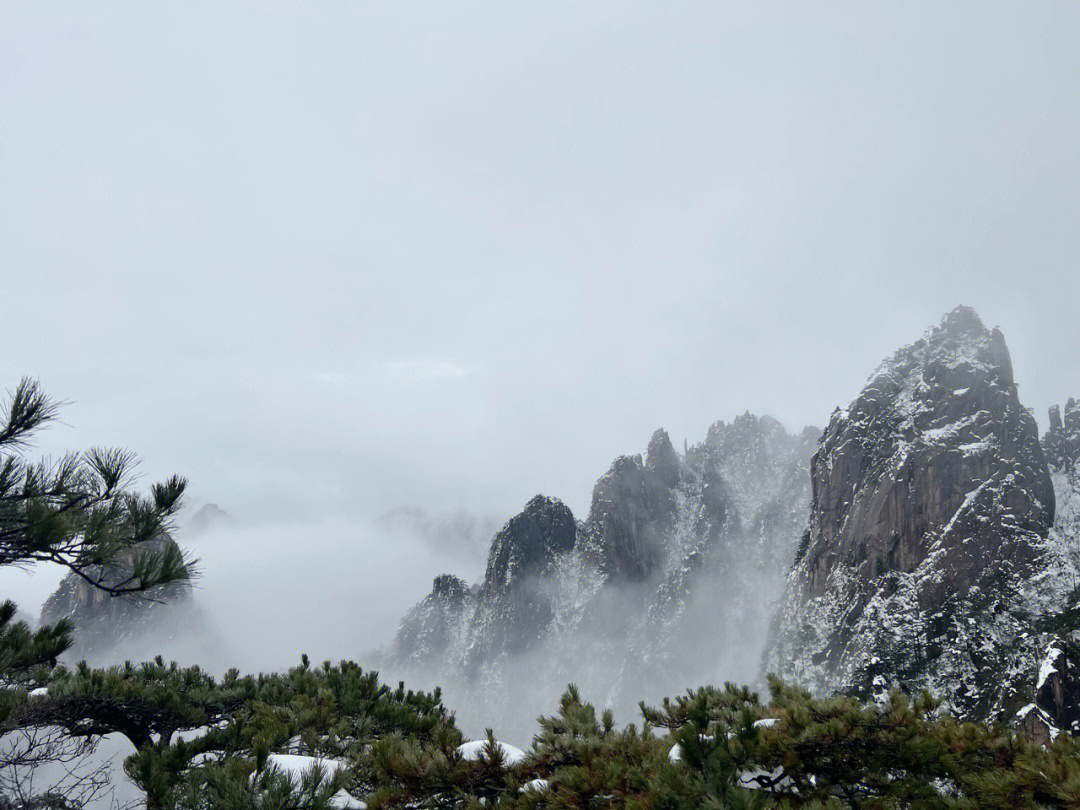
<point x="1049" y="665"/>
<point x="471" y="751"/>
<point x="296" y="765"/>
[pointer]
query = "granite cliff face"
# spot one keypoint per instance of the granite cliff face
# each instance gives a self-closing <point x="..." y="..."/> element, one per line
<point x="936" y="449"/>
<point x="932" y="558"/>
<point x="673" y="547"/>
<point x="632" y="510"/>
<point x="516" y="600"/>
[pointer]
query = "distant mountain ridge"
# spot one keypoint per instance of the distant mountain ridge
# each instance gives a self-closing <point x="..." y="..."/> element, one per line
<point x="620" y="599"/>
<point x="926" y="539"/>
<point x="209" y="516"/>
<point x="456" y="532"/>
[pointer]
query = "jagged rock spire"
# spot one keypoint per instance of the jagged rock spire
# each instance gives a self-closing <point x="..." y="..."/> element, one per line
<point x="1061" y="444"/>
<point x="931" y="503"/>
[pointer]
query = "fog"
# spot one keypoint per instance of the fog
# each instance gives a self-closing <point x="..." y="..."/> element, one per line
<point x="329" y="261"/>
<point x="339" y="259"/>
<point x="266" y="593"/>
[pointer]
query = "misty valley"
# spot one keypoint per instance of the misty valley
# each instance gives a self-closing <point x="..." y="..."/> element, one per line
<point x="546" y="405"/>
<point x="886" y="610"/>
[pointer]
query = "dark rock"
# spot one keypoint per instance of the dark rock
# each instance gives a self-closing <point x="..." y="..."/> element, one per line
<point x="632" y="508"/>
<point x="1061" y="444"/>
<point x="431" y="626"/>
<point x="515" y="603"/>
<point x="528" y="544"/>
<point x="938" y="424"/>
<point x="661" y="461"/>
<point x="1055" y="418"/>
<point x="1056" y="704"/>
<point x="931" y="499"/>
<point x="449" y="589"/>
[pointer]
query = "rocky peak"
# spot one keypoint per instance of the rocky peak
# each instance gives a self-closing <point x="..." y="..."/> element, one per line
<point x="208" y="517"/>
<point x="661" y="461"/>
<point x="931" y="502"/>
<point x="936" y="454"/>
<point x="632" y="507"/>
<point x="448" y="588"/>
<point x="529" y="543"/>
<point x="430" y="627"/>
<point x="619" y="601"/>
<point x="1061" y="444"/>
<point x="766" y="471"/>
<point x="1055" y="418"/>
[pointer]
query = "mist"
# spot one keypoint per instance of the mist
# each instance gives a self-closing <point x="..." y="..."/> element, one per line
<point x="339" y="262"/>
<point x="331" y="262"/>
<point x="266" y="593"/>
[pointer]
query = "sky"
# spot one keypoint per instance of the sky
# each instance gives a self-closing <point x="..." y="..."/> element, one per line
<point x="331" y="259"/>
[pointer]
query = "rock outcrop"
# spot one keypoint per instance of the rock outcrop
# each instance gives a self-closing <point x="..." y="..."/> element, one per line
<point x="1061" y="444"/>
<point x="930" y="553"/>
<point x="432" y="626"/>
<point x="515" y="604"/>
<point x="105" y="624"/>
<point x="1056" y="703"/>
<point x="927" y="539"/>
<point x="632" y="509"/>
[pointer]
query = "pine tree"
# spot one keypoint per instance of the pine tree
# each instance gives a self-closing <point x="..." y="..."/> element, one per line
<point x="80" y="513"/>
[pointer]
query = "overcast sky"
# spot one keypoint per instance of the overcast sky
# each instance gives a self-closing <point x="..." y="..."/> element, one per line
<point x="331" y="259"/>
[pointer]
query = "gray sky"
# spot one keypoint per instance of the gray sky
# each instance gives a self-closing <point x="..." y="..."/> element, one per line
<point x="331" y="259"/>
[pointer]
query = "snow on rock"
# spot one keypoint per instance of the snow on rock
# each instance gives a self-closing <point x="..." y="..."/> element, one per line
<point x="535" y="786"/>
<point x="931" y="555"/>
<point x="346" y="801"/>
<point x="296" y="765"/>
<point x="471" y="752"/>
<point x="1049" y="664"/>
<point x="705" y="537"/>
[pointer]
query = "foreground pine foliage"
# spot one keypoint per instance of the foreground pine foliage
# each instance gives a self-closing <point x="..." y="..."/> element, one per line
<point x="712" y="747"/>
<point x="334" y="736"/>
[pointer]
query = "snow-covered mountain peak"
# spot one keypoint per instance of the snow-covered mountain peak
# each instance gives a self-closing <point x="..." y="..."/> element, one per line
<point x="931" y="513"/>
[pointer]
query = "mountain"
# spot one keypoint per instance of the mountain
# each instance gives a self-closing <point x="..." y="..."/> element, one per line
<point x="208" y="517"/>
<point x="671" y="577"/>
<point x="926" y="539"/>
<point x="933" y="558"/>
<point x="109" y="629"/>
